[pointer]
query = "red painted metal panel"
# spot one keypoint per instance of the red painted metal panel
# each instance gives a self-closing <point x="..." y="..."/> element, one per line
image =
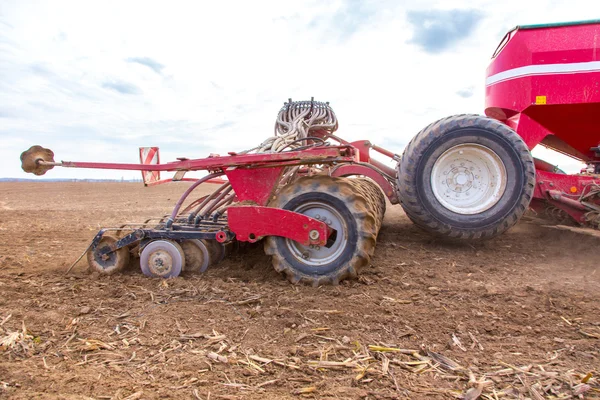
<point x="251" y="223"/>
<point x="256" y="185"/>
<point x="548" y="45"/>
<point x="564" y="183"/>
<point x="571" y="110"/>
<point x="544" y="81"/>
<point x="531" y="131"/>
<point x="364" y="147"/>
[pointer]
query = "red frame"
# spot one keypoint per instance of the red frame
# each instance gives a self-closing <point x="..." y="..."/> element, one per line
<point x="315" y="155"/>
<point x="254" y="179"/>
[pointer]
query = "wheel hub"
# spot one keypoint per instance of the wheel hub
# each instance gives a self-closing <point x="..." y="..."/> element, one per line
<point x="320" y="255"/>
<point x="468" y="178"/>
<point x="160" y="262"/>
<point x="106" y="260"/>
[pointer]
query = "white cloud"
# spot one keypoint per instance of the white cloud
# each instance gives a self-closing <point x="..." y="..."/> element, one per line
<point x="95" y="80"/>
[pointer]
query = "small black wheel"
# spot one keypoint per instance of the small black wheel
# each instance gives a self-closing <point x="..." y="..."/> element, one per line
<point x="339" y="203"/>
<point x="109" y="263"/>
<point x="162" y="259"/>
<point x="466" y="177"/>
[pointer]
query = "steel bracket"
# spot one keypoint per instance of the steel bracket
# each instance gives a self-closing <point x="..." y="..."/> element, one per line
<point x="251" y="223"/>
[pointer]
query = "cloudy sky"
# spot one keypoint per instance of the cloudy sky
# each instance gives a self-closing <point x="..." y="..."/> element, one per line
<point x="94" y="80"/>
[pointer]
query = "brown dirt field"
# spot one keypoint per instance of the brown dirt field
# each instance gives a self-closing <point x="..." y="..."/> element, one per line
<point x="524" y="307"/>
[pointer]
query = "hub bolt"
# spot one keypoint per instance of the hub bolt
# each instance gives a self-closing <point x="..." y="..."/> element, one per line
<point x="314" y="234"/>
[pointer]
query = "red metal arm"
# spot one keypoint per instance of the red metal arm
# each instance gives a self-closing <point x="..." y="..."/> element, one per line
<point x="318" y="155"/>
<point x="251" y="223"/>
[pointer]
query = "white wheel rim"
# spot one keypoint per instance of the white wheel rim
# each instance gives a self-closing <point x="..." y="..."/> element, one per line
<point x="320" y="255"/>
<point x="468" y="179"/>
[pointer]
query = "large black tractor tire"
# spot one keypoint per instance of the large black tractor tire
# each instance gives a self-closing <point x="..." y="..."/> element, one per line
<point x="353" y="207"/>
<point x="466" y="177"/>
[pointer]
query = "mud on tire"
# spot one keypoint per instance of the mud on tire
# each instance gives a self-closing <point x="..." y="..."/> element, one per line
<point x="355" y="204"/>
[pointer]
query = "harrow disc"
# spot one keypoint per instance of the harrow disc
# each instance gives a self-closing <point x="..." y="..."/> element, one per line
<point x="217" y="251"/>
<point x="30" y="158"/>
<point x="111" y="262"/>
<point x="162" y="259"/>
<point x="197" y="256"/>
<point x="351" y="206"/>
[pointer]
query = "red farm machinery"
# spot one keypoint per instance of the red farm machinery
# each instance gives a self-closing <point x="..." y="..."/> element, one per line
<point x="317" y="201"/>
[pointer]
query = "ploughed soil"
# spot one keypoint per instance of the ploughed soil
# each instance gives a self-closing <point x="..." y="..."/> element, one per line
<point x="514" y="317"/>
